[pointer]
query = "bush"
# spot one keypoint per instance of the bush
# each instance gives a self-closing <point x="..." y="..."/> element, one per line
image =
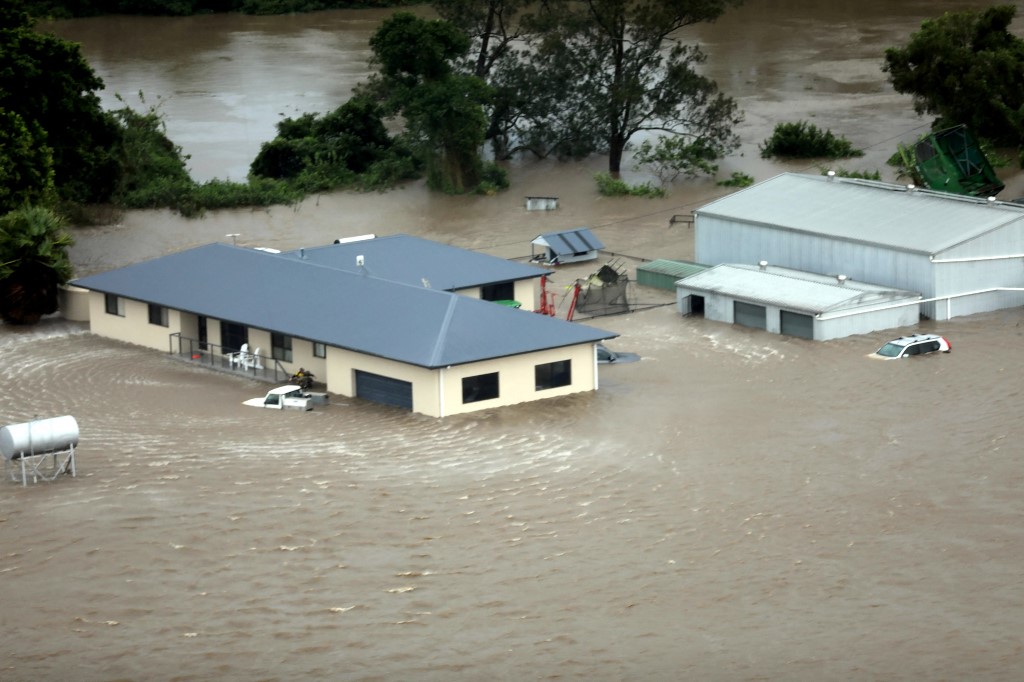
<point x="802" y="140"/>
<point x="611" y="187"/>
<point x="737" y="180"/>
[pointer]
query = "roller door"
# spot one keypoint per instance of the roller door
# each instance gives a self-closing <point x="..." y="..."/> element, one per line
<point x="795" y="324"/>
<point x="749" y="315"/>
<point x="384" y="390"/>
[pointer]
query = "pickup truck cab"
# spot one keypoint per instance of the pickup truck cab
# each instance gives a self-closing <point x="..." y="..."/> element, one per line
<point x="283" y="398"/>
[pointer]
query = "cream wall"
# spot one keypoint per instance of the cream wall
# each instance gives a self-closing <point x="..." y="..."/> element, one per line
<point x="134" y="326"/>
<point x="527" y="292"/>
<point x="516" y="378"/>
<point x="438" y="393"/>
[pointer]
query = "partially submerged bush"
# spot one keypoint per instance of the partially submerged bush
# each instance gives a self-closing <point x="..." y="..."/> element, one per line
<point x="802" y="140"/>
<point x="611" y="187"/>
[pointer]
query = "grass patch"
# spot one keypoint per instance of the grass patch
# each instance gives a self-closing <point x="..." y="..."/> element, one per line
<point x="608" y="186"/>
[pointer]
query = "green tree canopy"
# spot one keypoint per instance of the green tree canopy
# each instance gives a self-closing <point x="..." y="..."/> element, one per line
<point x="26" y="164"/>
<point x="48" y="84"/>
<point x="596" y="72"/>
<point x="966" y="68"/>
<point x="443" y="111"/>
<point x="34" y="263"/>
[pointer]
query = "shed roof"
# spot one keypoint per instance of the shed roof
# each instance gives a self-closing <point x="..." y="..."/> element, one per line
<point x="865" y="211"/>
<point x="284" y="294"/>
<point x="413" y="260"/>
<point x="674" y="268"/>
<point x="790" y="289"/>
<point x="568" y="242"/>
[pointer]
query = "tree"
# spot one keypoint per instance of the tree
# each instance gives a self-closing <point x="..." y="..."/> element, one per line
<point x="26" y="164"/>
<point x="443" y="110"/>
<point x="552" y="97"/>
<point x="34" y="263"/>
<point x="966" y="68"/>
<point x="48" y="84"/>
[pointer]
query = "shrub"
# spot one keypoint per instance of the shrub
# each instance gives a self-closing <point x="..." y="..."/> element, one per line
<point x="737" y="180"/>
<point x="612" y="187"/>
<point x="803" y="140"/>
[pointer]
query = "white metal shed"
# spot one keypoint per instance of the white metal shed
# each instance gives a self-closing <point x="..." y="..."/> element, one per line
<point x="963" y="254"/>
<point x="787" y="301"/>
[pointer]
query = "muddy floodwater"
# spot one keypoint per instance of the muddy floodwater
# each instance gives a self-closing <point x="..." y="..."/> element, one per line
<point x="736" y="505"/>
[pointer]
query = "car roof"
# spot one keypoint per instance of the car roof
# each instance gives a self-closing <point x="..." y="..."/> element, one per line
<point x="914" y="338"/>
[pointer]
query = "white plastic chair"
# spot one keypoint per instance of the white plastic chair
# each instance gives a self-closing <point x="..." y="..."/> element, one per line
<point x="240" y="357"/>
<point x="255" y="361"/>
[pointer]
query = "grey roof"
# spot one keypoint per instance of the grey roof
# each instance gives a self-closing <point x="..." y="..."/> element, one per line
<point x="790" y="289"/>
<point x="568" y="242"/>
<point x="283" y="294"/>
<point x="673" y="268"/>
<point x="408" y="259"/>
<point x="865" y="211"/>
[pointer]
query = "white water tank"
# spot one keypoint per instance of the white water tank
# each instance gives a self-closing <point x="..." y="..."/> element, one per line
<point x="38" y="436"/>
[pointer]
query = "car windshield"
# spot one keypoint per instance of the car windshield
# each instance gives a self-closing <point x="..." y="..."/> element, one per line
<point x="890" y="350"/>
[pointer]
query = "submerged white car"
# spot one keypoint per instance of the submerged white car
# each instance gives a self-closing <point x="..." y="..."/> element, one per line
<point x="283" y="398"/>
<point x="915" y="344"/>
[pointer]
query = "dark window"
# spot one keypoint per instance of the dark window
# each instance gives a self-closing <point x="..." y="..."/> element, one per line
<point x="503" y="291"/>
<point x="233" y="335"/>
<point x="281" y="347"/>
<point x="553" y="374"/>
<point x="319" y="350"/>
<point x="480" y="387"/>
<point x="157" y="315"/>
<point x="114" y="304"/>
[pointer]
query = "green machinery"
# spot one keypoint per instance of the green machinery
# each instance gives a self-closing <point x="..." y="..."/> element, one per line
<point x="951" y="160"/>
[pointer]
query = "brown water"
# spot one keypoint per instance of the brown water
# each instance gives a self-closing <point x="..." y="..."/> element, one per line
<point x="735" y="506"/>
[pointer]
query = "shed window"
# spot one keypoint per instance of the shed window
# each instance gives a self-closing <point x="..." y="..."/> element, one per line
<point x="281" y="347"/>
<point x="114" y="304"/>
<point x="480" y="387"/>
<point x="157" y="315"/>
<point x="553" y="374"/>
<point x="319" y="350"/>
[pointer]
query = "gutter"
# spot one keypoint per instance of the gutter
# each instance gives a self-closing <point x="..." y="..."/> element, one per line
<point x="947" y="299"/>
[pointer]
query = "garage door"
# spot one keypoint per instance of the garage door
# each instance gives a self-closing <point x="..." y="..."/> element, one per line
<point x="796" y="324"/>
<point x="749" y="315"/>
<point x="385" y="390"/>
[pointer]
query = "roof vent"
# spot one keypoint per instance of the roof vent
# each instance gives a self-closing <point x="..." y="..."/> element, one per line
<point x="841" y="279"/>
<point x="991" y="201"/>
<point x="302" y="254"/>
<point x="831" y="174"/>
<point x="911" y="187"/>
<point x="763" y="265"/>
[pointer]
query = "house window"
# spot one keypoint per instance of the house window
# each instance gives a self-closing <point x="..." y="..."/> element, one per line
<point x="480" y="387"/>
<point x="553" y="374"/>
<point x="157" y="315"/>
<point x="281" y="347"/>
<point x="319" y="350"/>
<point x="503" y="291"/>
<point x="114" y="304"/>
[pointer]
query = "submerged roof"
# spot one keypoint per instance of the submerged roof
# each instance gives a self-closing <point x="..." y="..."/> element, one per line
<point x="865" y="211"/>
<point x="790" y="289"/>
<point x="568" y="242"/>
<point x="288" y="295"/>
<point x="412" y="260"/>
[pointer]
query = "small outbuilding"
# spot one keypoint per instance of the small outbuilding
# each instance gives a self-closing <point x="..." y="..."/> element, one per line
<point x="663" y="273"/>
<point x="786" y="301"/>
<point x="569" y="246"/>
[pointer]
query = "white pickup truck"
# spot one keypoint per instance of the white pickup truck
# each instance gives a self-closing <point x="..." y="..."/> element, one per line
<point x="283" y="398"/>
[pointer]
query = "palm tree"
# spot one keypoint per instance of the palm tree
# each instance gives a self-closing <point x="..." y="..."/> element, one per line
<point x="34" y="263"/>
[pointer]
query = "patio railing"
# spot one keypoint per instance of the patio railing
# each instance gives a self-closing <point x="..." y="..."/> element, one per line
<point x="217" y="357"/>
